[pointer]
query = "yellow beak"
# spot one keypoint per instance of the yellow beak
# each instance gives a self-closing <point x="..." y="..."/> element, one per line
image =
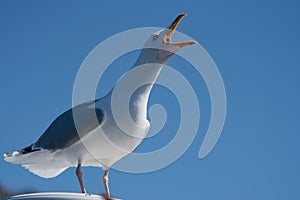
<point x="172" y="29"/>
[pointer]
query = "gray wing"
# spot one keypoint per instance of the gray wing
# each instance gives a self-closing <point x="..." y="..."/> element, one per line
<point x="62" y="132"/>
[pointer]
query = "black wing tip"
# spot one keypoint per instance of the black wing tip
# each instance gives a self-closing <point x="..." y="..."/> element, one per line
<point x="9" y="154"/>
<point x="28" y="149"/>
<point x="25" y="150"/>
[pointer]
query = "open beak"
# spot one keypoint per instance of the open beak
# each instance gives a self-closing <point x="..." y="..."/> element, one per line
<point x="172" y="28"/>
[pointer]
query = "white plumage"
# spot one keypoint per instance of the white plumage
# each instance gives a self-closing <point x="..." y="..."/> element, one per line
<point x="89" y="134"/>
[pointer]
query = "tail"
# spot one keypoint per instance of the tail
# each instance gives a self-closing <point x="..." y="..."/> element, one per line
<point x="38" y="161"/>
<point x="23" y="151"/>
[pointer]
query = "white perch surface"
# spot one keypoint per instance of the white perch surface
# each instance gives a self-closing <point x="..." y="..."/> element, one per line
<point x="56" y="196"/>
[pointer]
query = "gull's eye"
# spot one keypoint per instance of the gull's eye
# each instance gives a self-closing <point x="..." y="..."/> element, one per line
<point x="155" y="37"/>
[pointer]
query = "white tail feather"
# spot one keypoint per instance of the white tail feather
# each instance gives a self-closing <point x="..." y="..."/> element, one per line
<point x="41" y="163"/>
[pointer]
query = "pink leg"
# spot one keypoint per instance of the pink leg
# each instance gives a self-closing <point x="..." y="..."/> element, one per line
<point x="105" y="183"/>
<point x="79" y="176"/>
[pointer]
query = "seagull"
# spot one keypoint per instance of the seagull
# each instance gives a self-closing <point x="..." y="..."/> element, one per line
<point x="89" y="134"/>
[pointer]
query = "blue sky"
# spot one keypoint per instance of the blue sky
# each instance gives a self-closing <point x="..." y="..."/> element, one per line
<point x="255" y="45"/>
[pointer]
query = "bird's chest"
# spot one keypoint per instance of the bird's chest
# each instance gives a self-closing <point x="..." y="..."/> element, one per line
<point x="114" y="140"/>
<point x="125" y="132"/>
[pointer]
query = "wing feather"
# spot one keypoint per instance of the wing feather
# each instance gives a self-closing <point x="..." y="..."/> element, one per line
<point x="62" y="132"/>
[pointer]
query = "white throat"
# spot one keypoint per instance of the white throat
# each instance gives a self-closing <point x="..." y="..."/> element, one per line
<point x="147" y="75"/>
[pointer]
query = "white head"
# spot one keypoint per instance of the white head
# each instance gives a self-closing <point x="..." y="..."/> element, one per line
<point x="159" y="48"/>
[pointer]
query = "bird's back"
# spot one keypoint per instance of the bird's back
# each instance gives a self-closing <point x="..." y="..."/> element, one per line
<point x="64" y="132"/>
<point x="46" y="156"/>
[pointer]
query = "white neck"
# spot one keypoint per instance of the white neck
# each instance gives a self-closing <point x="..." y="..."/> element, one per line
<point x="135" y="87"/>
<point x="138" y="103"/>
